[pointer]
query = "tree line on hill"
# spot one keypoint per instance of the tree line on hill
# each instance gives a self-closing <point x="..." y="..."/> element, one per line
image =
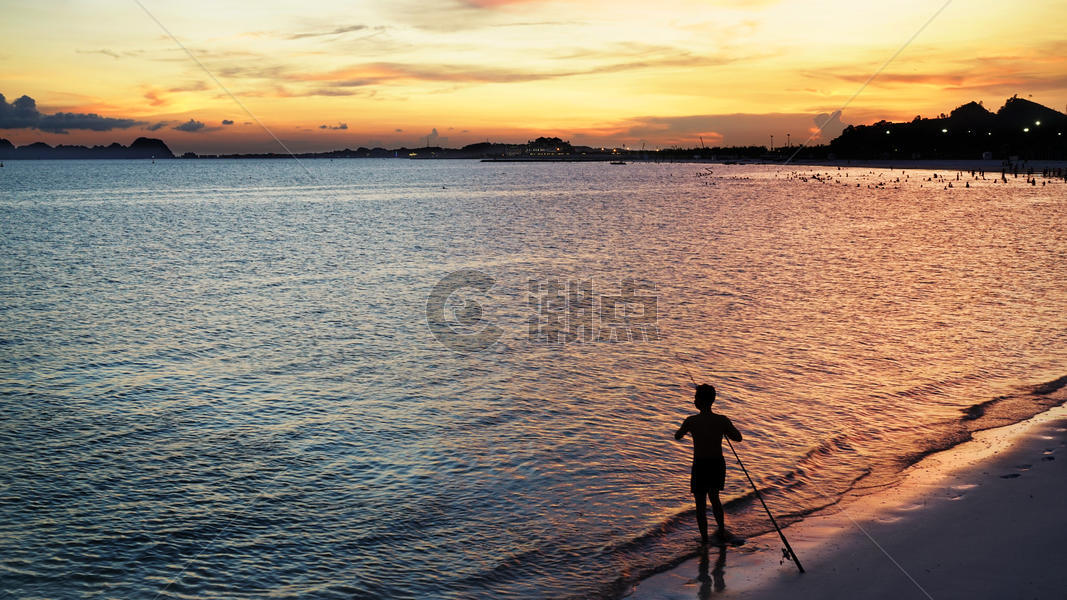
<point x="1020" y="128"/>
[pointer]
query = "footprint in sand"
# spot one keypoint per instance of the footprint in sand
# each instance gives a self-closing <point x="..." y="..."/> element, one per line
<point x="959" y="490"/>
<point x="1047" y="458"/>
<point x="1014" y="475"/>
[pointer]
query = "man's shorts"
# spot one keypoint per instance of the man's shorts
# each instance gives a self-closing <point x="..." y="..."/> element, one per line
<point x="707" y="474"/>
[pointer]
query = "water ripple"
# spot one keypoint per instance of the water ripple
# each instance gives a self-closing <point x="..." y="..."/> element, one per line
<point x="218" y="382"/>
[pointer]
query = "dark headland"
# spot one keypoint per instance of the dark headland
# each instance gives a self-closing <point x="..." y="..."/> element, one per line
<point x="141" y="147"/>
<point x="1019" y="130"/>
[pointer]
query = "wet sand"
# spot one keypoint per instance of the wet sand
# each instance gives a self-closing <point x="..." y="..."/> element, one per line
<point x="985" y="519"/>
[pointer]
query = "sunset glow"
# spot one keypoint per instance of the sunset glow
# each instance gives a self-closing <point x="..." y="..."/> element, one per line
<point x="336" y="74"/>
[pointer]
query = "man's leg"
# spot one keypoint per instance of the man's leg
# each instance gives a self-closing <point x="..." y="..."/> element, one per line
<point x="702" y="515"/>
<point x="716" y="509"/>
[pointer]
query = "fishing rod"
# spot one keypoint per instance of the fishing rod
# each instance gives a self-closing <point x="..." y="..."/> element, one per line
<point x="788" y="549"/>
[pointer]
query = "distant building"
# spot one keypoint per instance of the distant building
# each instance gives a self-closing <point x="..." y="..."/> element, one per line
<point x="548" y="146"/>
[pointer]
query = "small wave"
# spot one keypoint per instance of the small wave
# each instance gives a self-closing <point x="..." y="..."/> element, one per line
<point x="978" y="410"/>
<point x="1051" y="386"/>
<point x="839" y="442"/>
<point x="1012" y="408"/>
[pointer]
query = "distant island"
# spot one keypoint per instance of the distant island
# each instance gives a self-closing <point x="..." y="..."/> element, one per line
<point x="142" y="147"/>
<point x="1019" y="130"/>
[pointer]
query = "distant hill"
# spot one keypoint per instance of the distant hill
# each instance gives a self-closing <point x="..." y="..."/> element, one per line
<point x="140" y="148"/>
<point x="1020" y="128"/>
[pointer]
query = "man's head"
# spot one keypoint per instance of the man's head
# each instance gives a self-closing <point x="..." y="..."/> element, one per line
<point x="705" y="395"/>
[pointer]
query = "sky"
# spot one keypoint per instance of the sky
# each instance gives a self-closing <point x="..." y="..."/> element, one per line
<point x="217" y="77"/>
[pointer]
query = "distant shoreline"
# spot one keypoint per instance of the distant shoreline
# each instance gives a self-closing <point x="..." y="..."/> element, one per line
<point x="934" y="164"/>
<point x="1021" y="129"/>
<point x="924" y="164"/>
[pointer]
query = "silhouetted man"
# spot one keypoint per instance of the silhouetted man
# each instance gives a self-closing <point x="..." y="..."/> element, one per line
<point x="708" y="475"/>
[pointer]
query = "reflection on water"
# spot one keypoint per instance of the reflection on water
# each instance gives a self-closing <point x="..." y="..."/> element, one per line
<point x="217" y="377"/>
<point x="711" y="579"/>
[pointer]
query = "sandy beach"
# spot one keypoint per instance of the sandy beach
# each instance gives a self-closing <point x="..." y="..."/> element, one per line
<point x="984" y="519"/>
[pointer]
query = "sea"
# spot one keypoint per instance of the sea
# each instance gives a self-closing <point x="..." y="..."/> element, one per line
<point x="459" y="379"/>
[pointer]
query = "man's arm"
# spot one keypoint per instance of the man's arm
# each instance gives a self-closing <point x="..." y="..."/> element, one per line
<point x="731" y="431"/>
<point x="678" y="435"/>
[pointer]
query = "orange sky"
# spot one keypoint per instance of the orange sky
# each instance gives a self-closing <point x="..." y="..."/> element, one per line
<point x="331" y="75"/>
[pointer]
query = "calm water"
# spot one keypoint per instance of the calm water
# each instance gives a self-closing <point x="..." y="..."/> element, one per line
<point x="217" y="378"/>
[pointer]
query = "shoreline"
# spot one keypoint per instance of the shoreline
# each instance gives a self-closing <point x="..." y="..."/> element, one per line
<point x="947" y="164"/>
<point x="935" y="533"/>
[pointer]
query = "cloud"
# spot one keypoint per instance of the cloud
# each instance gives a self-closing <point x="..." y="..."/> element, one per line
<point x="281" y="91"/>
<point x="338" y="126"/>
<point x="178" y="54"/>
<point x="325" y="92"/>
<point x="1037" y="67"/>
<point x="252" y="71"/>
<point x="828" y="126"/>
<point x="495" y="3"/>
<point x="23" y="114"/>
<point x="196" y="86"/>
<point x="61" y="122"/>
<point x="377" y="73"/>
<point x="157" y="126"/>
<point x="279" y="79"/>
<point x="103" y="51"/>
<point x="614" y="50"/>
<point x="335" y="31"/>
<point x="112" y="53"/>
<point x="975" y="81"/>
<point x="157" y="97"/>
<point x="227" y="122"/>
<point x="434" y="138"/>
<point x="20" y="114"/>
<point x="454" y="15"/>
<point x="730" y="129"/>
<point x="191" y="126"/>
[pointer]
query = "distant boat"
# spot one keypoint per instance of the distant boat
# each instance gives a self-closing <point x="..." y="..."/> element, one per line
<point x="618" y="162"/>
